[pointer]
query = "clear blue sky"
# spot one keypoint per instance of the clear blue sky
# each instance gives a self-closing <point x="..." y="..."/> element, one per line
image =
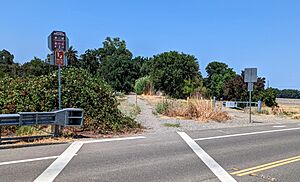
<point x="241" y="33"/>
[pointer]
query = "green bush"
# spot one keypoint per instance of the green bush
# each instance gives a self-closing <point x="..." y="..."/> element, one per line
<point x="80" y="89"/>
<point x="268" y="96"/>
<point x="142" y="85"/>
<point x="162" y="107"/>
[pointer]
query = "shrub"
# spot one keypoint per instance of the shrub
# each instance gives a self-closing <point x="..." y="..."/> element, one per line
<point x="162" y="107"/>
<point x="268" y="96"/>
<point x="142" y="85"/>
<point x="80" y="89"/>
<point x="195" y="109"/>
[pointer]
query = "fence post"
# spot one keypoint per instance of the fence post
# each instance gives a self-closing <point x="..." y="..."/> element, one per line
<point x="259" y="106"/>
<point x="214" y="104"/>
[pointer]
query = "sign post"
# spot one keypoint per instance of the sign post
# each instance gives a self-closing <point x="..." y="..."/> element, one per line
<point x="58" y="43"/>
<point x="250" y="77"/>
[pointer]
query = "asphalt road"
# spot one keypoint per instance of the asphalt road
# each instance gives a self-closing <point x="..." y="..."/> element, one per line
<point x="259" y="153"/>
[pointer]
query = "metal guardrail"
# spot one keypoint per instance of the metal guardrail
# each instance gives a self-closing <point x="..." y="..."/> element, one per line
<point x="236" y="104"/>
<point x="64" y="117"/>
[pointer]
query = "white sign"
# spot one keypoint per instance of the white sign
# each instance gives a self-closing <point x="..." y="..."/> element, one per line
<point x="250" y="75"/>
<point x="230" y="104"/>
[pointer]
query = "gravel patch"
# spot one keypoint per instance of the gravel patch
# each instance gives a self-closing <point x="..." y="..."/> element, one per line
<point x="155" y="123"/>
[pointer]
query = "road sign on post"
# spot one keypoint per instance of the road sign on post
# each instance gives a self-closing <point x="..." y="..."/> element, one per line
<point x="250" y="77"/>
<point x="58" y="43"/>
<point x="59" y="58"/>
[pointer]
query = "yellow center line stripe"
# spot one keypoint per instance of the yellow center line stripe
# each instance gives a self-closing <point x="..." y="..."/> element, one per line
<point x="269" y="167"/>
<point x="264" y="165"/>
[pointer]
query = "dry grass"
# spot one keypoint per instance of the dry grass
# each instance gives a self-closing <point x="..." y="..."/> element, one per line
<point x="152" y="100"/>
<point x="200" y="110"/>
<point x="286" y="107"/>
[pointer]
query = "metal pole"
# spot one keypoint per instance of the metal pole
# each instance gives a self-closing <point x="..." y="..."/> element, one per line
<point x="59" y="88"/>
<point x="250" y="106"/>
<point x="56" y="127"/>
<point x="0" y="135"/>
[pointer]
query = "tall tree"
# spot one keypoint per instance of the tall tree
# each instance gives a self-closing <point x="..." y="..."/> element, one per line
<point x="172" y="72"/>
<point x="6" y="57"/>
<point x="36" y="67"/>
<point x="217" y="74"/>
<point x="237" y="89"/>
<point x="90" y="60"/>
<point x="72" y="56"/>
<point x="117" y="66"/>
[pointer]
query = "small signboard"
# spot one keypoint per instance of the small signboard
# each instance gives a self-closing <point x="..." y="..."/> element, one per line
<point x="250" y="75"/>
<point x="230" y="104"/>
<point x="59" y="58"/>
<point x="250" y="86"/>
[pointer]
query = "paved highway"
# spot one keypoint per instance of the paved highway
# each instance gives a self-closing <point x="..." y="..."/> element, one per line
<point x="258" y="153"/>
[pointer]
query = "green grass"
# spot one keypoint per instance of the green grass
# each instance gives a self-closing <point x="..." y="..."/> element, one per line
<point x="176" y="125"/>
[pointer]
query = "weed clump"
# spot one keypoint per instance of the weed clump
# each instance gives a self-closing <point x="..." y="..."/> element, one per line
<point x="193" y="109"/>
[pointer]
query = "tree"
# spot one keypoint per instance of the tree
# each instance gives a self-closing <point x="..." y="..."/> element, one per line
<point x="170" y="72"/>
<point x="36" y="67"/>
<point x="90" y="61"/>
<point x="117" y="66"/>
<point x="237" y="89"/>
<point x="143" y="63"/>
<point x="268" y="96"/>
<point x="143" y="85"/>
<point x="6" y="57"/>
<point x="288" y="93"/>
<point x="217" y="74"/>
<point x="72" y="56"/>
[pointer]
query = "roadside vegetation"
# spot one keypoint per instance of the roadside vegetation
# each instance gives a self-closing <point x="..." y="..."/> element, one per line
<point x="200" y="110"/>
<point x="93" y="81"/>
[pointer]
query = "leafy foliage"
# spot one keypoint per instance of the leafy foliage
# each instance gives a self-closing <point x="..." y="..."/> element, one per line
<point x="268" y="96"/>
<point x="36" y="67"/>
<point x="237" y="89"/>
<point x="117" y="66"/>
<point x="80" y="89"/>
<point x="288" y="93"/>
<point x="218" y="74"/>
<point x="90" y="61"/>
<point x="143" y="85"/>
<point x="169" y="71"/>
<point x="6" y="57"/>
<point x="72" y="56"/>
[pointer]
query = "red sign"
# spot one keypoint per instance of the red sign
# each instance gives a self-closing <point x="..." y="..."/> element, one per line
<point x="59" y="57"/>
<point x="58" y="40"/>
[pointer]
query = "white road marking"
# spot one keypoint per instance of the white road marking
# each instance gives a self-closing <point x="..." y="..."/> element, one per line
<point x="27" y="160"/>
<point x="245" y="134"/>
<point x="113" y="139"/>
<point x="61" y="162"/>
<point x="279" y="126"/>
<point x="208" y="160"/>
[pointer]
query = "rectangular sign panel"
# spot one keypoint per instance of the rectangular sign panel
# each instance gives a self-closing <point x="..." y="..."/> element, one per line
<point x="58" y="41"/>
<point x="230" y="104"/>
<point x="250" y="86"/>
<point x="250" y="75"/>
<point x="59" y="58"/>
